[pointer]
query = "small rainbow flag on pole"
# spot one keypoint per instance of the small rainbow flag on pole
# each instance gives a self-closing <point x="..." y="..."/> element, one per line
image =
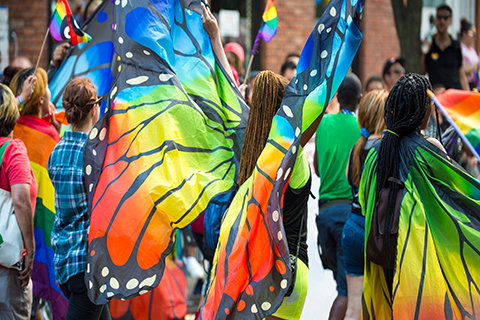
<point x="269" y="25"/>
<point x="462" y="110"/>
<point x="63" y="26"/>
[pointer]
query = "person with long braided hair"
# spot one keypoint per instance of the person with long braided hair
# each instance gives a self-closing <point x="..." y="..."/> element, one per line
<point x="267" y="96"/>
<point x="421" y="213"/>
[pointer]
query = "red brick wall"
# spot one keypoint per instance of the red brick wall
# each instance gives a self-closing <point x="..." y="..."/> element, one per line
<point x="29" y="19"/>
<point x="380" y="40"/>
<point x="296" y="20"/>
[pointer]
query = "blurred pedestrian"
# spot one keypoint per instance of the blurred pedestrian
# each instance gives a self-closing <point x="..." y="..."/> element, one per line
<point x="288" y="70"/>
<point x="444" y="62"/>
<point x="370" y="120"/>
<point x="392" y="71"/>
<point x="18" y="182"/>
<point x="335" y="137"/>
<point x="374" y="83"/>
<point x="471" y="61"/>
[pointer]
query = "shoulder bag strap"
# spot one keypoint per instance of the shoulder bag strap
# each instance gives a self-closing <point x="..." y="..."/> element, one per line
<point x="2" y="150"/>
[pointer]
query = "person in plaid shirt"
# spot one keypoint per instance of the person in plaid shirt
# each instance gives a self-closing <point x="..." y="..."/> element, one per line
<point x="70" y="230"/>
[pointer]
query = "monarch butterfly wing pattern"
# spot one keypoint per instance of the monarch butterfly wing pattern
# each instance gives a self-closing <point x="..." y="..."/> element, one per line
<point x="167" y="301"/>
<point x="438" y="251"/>
<point x="251" y="271"/>
<point x="169" y="143"/>
<point x="95" y="60"/>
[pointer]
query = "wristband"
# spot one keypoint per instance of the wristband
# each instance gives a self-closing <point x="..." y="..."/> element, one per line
<point x="21" y="103"/>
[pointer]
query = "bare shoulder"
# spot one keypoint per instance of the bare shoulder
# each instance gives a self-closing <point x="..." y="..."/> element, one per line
<point x="436" y="143"/>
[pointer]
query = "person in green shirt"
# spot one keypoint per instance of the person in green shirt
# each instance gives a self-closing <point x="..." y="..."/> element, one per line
<point x="335" y="137"/>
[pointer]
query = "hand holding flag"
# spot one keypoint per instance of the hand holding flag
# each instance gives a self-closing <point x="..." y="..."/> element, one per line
<point x="269" y="26"/>
<point x="63" y="26"/>
<point x="267" y="31"/>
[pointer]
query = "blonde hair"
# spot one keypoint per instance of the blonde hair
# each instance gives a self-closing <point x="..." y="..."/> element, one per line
<point x="8" y="111"/>
<point x="31" y="106"/>
<point x="370" y="117"/>
<point x="268" y="91"/>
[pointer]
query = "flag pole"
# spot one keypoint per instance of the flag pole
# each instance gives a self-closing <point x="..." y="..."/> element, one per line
<point x="248" y="69"/>
<point x="41" y="50"/>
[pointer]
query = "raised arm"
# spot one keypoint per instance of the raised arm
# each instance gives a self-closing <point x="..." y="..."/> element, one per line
<point x="211" y="28"/>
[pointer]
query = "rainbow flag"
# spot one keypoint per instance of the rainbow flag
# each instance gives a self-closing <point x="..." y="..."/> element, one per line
<point x="63" y="26"/>
<point x="40" y="138"/>
<point x="269" y="25"/>
<point x="462" y="109"/>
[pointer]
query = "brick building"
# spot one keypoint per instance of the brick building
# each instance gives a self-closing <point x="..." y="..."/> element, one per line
<point x="28" y="20"/>
<point x="296" y="22"/>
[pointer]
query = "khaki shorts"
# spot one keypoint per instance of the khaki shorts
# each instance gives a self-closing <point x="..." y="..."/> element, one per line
<point x="292" y="306"/>
<point x="15" y="301"/>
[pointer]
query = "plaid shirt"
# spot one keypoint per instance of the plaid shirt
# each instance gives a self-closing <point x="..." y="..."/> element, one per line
<point x="70" y="229"/>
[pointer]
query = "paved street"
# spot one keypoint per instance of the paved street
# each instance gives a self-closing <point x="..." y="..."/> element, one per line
<point x="321" y="285"/>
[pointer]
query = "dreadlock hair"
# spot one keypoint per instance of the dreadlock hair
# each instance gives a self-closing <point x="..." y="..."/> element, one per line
<point x="370" y="117"/>
<point x="407" y="107"/>
<point x="268" y="91"/>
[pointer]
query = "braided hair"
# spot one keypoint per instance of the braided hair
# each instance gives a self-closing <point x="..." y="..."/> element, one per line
<point x="268" y="91"/>
<point x="406" y="108"/>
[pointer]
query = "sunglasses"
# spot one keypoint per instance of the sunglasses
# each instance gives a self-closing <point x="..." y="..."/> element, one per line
<point x="99" y="101"/>
<point x="443" y="17"/>
<point x="398" y="71"/>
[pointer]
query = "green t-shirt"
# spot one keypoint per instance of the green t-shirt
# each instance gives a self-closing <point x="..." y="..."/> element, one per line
<point x="335" y="137"/>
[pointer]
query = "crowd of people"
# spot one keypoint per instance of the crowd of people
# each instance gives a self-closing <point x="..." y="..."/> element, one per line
<point x="382" y="116"/>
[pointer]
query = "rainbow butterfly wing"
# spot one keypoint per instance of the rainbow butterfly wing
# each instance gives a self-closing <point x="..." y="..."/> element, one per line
<point x="251" y="271"/>
<point x="169" y="143"/>
<point x="438" y="249"/>
<point x="95" y="60"/>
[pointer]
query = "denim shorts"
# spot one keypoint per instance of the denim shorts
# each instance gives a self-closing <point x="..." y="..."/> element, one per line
<point x="330" y="223"/>
<point x="353" y="243"/>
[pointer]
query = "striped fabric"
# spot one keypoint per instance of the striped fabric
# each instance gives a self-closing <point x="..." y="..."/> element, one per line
<point x="40" y="138"/>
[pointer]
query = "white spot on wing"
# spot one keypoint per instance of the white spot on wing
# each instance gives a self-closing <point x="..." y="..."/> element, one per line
<point x="120" y="40"/>
<point x="324" y="54"/>
<point x="275" y="215"/>
<point x="114" y="283"/>
<point x="279" y="173"/>
<point x="114" y="90"/>
<point x="103" y="288"/>
<point x="129" y="55"/>
<point x="321" y="27"/>
<point x="93" y="133"/>
<point x="313" y="73"/>
<point x="287" y="111"/>
<point x="146" y="52"/>
<point x="105" y="271"/>
<point x="124" y="3"/>
<point x="287" y="173"/>
<point x="132" y="284"/>
<point x="266" y="305"/>
<point x="254" y="309"/>
<point x="102" y="134"/>
<point x="283" y="284"/>
<point x="88" y="170"/>
<point x="148" y="282"/>
<point x="333" y="12"/>
<point x="165" y="77"/>
<point x="137" y="80"/>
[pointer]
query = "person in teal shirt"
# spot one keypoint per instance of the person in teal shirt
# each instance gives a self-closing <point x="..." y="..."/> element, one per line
<point x="335" y="137"/>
